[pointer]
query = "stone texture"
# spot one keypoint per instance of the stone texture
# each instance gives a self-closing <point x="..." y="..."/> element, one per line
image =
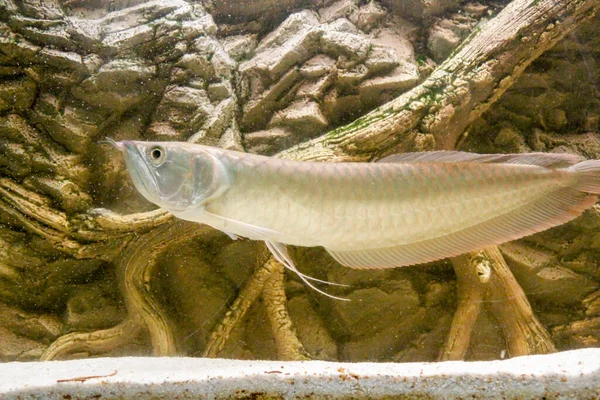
<point x="317" y="66"/>
<point x="229" y="11"/>
<point x="47" y="286"/>
<point x="301" y="116"/>
<point x="92" y="307"/>
<point x="14" y="347"/>
<point x="382" y="59"/>
<point x="338" y="9"/>
<point x="291" y="43"/>
<point x="184" y="107"/>
<point x="240" y="47"/>
<point x="70" y="125"/>
<point x="543" y="279"/>
<point x="592" y="304"/>
<point x="368" y="15"/>
<point x="267" y="141"/>
<point x="448" y="33"/>
<point x="119" y="85"/>
<point x="312" y="330"/>
<point x="35" y="326"/>
<point x="349" y="321"/>
<point x="420" y="9"/>
<point x="232" y="138"/>
<point x="191" y="284"/>
<point x="331" y="53"/>
<point x="402" y="78"/>
<point x="17" y="95"/>
<point x="236" y="260"/>
<point x="441" y="42"/>
<point x="257" y="111"/>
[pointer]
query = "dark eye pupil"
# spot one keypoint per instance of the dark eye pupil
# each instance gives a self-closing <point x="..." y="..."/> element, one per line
<point x="156" y="153"/>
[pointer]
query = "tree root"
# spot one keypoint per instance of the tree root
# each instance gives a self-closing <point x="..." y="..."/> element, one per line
<point x="98" y="234"/>
<point x="97" y="342"/>
<point x="523" y="332"/>
<point x="485" y="283"/>
<point x="247" y="296"/>
<point x="135" y="270"/>
<point x="470" y="293"/>
<point x="274" y="299"/>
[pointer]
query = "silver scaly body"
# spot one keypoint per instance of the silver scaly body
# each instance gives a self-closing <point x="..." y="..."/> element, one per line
<point x="406" y="209"/>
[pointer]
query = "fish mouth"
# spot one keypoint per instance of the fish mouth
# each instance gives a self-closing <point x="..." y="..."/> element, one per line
<point x="140" y="174"/>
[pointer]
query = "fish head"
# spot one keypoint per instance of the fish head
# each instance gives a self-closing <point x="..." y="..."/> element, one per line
<point x="174" y="175"/>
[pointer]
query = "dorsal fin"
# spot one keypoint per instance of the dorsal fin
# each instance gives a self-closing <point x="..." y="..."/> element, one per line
<point x="548" y="160"/>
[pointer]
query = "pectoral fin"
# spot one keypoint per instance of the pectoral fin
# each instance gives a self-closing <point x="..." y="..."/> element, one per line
<point x="228" y="226"/>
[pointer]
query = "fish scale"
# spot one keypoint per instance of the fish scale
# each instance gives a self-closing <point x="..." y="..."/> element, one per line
<point x="293" y="206"/>
<point x="406" y="209"/>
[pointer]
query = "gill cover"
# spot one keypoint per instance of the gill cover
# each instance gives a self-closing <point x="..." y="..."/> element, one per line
<point x="212" y="177"/>
<point x="174" y="175"/>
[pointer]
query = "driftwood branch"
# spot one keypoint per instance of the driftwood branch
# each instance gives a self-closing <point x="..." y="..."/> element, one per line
<point x="436" y="113"/>
<point x="471" y="287"/>
<point x="485" y="284"/>
<point x="97" y="342"/>
<point x="505" y="299"/>
<point x="274" y="299"/>
<point x="135" y="270"/>
<point x="247" y="296"/>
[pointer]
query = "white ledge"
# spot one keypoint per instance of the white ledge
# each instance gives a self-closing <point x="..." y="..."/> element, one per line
<point x="571" y="374"/>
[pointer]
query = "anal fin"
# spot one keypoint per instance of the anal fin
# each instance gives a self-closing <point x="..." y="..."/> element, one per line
<point x="554" y="209"/>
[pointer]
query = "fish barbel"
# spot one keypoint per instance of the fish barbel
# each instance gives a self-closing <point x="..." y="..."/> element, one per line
<point x="405" y="209"/>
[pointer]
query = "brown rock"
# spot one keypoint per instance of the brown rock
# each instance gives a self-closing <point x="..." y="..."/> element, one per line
<point x="339" y="9"/>
<point x="93" y="306"/>
<point x="17" y="95"/>
<point x="368" y="16"/>
<point x="267" y="142"/>
<point x="317" y="66"/>
<point x="372" y="310"/>
<point x="18" y="348"/>
<point x="542" y="278"/>
<point x="301" y="116"/>
<point x="311" y="330"/>
<point x="420" y="9"/>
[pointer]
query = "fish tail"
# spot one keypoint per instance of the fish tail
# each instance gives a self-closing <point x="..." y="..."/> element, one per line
<point x="589" y="172"/>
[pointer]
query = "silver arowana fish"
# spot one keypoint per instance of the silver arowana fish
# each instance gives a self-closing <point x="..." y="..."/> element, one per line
<point x="404" y="209"/>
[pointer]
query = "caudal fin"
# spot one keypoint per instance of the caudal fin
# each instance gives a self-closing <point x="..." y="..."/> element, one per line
<point x="589" y="172"/>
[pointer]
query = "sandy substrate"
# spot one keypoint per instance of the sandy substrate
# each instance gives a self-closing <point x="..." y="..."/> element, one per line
<point x="572" y="374"/>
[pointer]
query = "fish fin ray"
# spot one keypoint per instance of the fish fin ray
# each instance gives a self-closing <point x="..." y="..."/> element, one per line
<point x="279" y="251"/>
<point x="589" y="174"/>
<point x="548" y="160"/>
<point x="253" y="232"/>
<point x="232" y="236"/>
<point x="554" y="209"/>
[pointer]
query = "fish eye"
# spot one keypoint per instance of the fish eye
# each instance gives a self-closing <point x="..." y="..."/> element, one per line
<point x="157" y="155"/>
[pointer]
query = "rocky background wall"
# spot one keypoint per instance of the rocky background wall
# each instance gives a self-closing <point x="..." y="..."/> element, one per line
<point x="257" y="76"/>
